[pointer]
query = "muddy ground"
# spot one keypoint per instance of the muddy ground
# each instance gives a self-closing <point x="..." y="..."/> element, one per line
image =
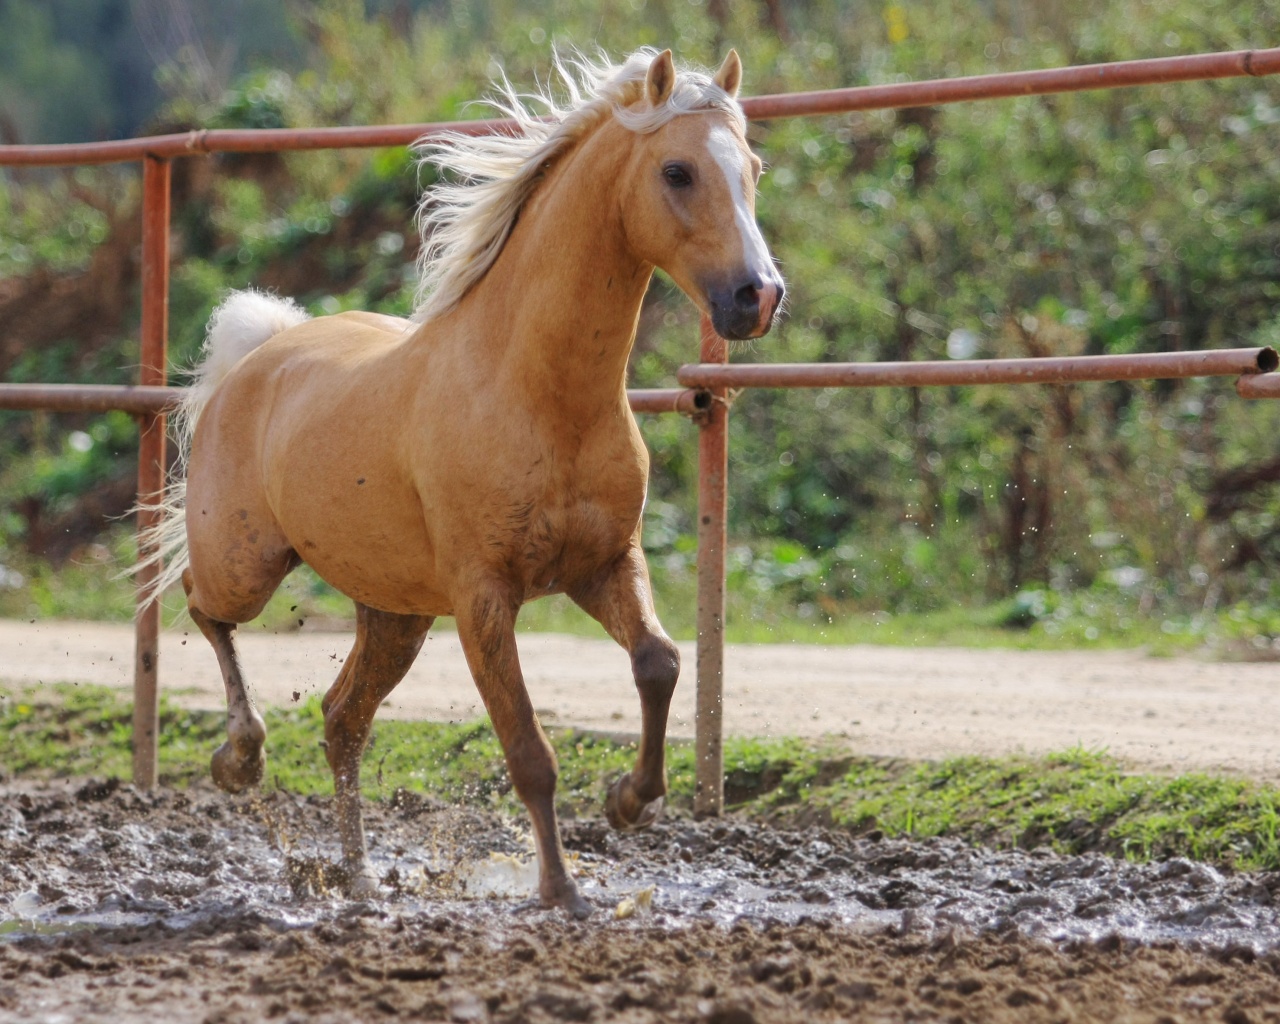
<point x="191" y="905"/>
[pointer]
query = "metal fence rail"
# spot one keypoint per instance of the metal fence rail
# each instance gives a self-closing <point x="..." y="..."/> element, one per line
<point x="142" y="400"/>
<point x="706" y="386"/>
<point x="1226" y="362"/>
<point x="1081" y="77"/>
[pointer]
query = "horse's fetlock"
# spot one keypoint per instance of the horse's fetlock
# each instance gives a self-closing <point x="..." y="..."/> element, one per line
<point x="247" y="732"/>
<point x="648" y="790"/>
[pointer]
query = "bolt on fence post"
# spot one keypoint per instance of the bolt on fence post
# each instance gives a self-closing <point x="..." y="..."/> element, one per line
<point x="153" y="357"/>
<point x="713" y="464"/>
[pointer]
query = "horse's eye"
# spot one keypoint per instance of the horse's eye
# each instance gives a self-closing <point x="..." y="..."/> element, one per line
<point x="677" y="175"/>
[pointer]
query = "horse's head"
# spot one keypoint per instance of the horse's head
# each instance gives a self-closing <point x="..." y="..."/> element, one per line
<point x="689" y="202"/>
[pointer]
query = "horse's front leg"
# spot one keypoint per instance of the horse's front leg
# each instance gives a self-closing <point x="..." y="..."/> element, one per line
<point x="486" y="627"/>
<point x="622" y="601"/>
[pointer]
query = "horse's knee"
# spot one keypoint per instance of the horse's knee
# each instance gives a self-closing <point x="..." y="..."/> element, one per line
<point x="656" y="665"/>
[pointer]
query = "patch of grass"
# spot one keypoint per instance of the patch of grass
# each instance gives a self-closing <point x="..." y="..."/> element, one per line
<point x="69" y="730"/>
<point x="750" y="621"/>
<point x="458" y="763"/>
<point x="89" y="589"/>
<point x="1075" y="801"/>
<point x="84" y="588"/>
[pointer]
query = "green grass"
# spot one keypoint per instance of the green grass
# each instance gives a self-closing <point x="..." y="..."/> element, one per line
<point x="1074" y="801"/>
<point x="1036" y="620"/>
<point x="750" y="621"/>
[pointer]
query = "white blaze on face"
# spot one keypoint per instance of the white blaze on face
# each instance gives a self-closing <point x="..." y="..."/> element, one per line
<point x="729" y="155"/>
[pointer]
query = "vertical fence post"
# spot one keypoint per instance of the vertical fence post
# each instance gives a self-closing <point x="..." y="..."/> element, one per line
<point x="713" y="464"/>
<point x="151" y="459"/>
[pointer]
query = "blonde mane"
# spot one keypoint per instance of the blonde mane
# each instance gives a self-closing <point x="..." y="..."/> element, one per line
<point x="466" y="216"/>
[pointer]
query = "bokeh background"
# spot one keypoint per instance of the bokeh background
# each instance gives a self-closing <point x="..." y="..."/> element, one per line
<point x="1109" y="222"/>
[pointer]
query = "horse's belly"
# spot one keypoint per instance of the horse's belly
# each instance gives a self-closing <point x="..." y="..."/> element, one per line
<point x="392" y="579"/>
<point x="368" y="542"/>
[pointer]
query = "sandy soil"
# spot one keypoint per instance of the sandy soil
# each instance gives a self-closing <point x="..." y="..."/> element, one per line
<point x="1162" y="714"/>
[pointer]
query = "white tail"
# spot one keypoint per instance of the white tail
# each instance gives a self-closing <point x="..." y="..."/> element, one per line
<point x="242" y="322"/>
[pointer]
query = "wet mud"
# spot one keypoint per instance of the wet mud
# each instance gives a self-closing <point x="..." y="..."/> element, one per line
<point x="190" y="905"/>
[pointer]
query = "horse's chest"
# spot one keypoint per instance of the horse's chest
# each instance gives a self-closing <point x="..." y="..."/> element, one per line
<point x="567" y="510"/>
<point x="548" y="541"/>
<point x="561" y="539"/>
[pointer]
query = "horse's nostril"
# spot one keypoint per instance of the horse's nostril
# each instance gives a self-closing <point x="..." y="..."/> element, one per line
<point x="746" y="297"/>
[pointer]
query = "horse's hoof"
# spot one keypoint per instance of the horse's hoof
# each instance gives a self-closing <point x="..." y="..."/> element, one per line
<point x="571" y="902"/>
<point x="560" y="892"/>
<point x="363" y="885"/>
<point x="579" y="907"/>
<point x="625" y="811"/>
<point x="234" y="772"/>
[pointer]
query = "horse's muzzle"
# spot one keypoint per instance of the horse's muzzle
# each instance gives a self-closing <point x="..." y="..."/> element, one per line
<point x="746" y="310"/>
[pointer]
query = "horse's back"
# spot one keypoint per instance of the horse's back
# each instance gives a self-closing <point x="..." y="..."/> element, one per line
<point x="308" y="366"/>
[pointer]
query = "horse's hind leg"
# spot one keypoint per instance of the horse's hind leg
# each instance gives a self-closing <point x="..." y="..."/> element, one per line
<point x="386" y="645"/>
<point x="620" y="600"/>
<point x="239" y="762"/>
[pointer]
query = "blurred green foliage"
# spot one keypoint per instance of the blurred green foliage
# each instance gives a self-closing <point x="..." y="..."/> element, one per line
<point x="1115" y="221"/>
<point x="72" y="70"/>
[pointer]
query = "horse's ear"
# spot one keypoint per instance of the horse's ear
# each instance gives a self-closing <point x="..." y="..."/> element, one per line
<point x="660" y="80"/>
<point x="729" y="77"/>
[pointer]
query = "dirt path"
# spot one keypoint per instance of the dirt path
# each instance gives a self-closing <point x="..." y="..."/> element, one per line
<point x="1163" y="714"/>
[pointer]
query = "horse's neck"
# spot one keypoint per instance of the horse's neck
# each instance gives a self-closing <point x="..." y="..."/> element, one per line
<point x="558" y="309"/>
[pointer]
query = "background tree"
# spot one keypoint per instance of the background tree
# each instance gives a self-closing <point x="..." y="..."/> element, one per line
<point x="1119" y="221"/>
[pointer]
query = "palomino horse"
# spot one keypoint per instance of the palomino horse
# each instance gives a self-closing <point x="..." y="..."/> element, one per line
<point x="483" y="454"/>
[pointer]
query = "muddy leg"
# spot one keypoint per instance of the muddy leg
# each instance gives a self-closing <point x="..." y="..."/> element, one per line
<point x="486" y="627"/>
<point x="386" y="645"/>
<point x="239" y="762"/>
<point x="622" y="602"/>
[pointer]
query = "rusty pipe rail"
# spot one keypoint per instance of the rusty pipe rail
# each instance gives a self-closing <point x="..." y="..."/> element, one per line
<point x="131" y="398"/>
<point x="142" y="400"/>
<point x="203" y="141"/>
<point x="1046" y="370"/>
<point x="687" y="401"/>
<point x="1112" y="75"/>
<point x="1253" y="367"/>
<point x="1081" y="77"/>
<point x="1265" y="385"/>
